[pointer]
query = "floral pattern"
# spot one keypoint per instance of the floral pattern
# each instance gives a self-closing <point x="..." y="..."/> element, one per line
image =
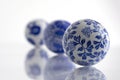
<point x="34" y="32"/>
<point x="87" y="31"/>
<point x="86" y="42"/>
<point x="53" y="35"/>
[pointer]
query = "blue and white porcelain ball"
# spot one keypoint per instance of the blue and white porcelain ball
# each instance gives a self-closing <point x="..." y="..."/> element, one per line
<point x="34" y="32"/>
<point x="86" y="42"/>
<point x="35" y="63"/>
<point x="86" y="73"/>
<point x="58" y="67"/>
<point x="53" y="35"/>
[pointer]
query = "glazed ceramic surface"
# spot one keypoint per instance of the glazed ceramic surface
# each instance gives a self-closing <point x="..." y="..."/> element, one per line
<point x="86" y="73"/>
<point x="34" y="32"/>
<point x="35" y="63"/>
<point x="86" y="42"/>
<point x="58" y="67"/>
<point x="53" y="35"/>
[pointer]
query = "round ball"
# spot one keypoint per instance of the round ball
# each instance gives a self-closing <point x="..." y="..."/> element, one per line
<point x="86" y="42"/>
<point x="34" y="32"/>
<point x="58" y="67"/>
<point x="53" y="35"/>
<point x="35" y="63"/>
<point x="86" y="73"/>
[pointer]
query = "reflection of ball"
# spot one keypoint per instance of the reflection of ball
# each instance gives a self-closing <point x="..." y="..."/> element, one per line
<point x="86" y="73"/>
<point x="35" y="63"/>
<point x="86" y="42"/>
<point x="53" y="35"/>
<point x="34" y="32"/>
<point x="58" y="67"/>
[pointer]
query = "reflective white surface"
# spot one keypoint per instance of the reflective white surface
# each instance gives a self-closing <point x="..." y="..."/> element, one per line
<point x="12" y="58"/>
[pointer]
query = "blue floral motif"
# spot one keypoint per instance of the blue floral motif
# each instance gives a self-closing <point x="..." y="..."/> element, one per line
<point x="72" y="56"/>
<point x="71" y="34"/>
<point x="101" y="43"/>
<point x="31" y="41"/>
<point x="77" y="23"/>
<point x="102" y="54"/>
<point x="87" y="31"/>
<point x="88" y="21"/>
<point x="35" y="30"/>
<point x="83" y="63"/>
<point x="88" y="49"/>
<point x="71" y="45"/>
<point x="96" y="28"/>
<point x="105" y="31"/>
<point x="53" y="35"/>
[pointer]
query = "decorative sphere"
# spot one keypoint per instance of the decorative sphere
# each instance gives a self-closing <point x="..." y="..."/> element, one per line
<point x="35" y="63"/>
<point x="86" y="42"/>
<point x="53" y="35"/>
<point x="86" y="73"/>
<point x="58" y="67"/>
<point x="34" y="32"/>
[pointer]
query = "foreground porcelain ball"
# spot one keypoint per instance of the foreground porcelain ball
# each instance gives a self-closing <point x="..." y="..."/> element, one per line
<point x="86" y="73"/>
<point x="35" y="63"/>
<point x="53" y="35"/>
<point x="58" y="67"/>
<point x="34" y="32"/>
<point x="86" y="42"/>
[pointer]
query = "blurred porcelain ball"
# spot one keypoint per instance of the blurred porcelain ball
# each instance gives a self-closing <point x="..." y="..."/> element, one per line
<point x="35" y="63"/>
<point x="58" y="67"/>
<point x="86" y="73"/>
<point x="34" y="32"/>
<point x="53" y="35"/>
<point x="86" y="42"/>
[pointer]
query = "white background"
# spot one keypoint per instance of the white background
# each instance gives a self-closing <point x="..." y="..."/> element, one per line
<point x="15" y="14"/>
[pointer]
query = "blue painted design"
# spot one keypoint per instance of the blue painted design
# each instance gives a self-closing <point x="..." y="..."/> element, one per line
<point x="53" y="35"/>
<point x="87" y="31"/>
<point x="86" y="42"/>
<point x="31" y="41"/>
<point x="88" y="21"/>
<point x="35" y="30"/>
<point x="101" y="43"/>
